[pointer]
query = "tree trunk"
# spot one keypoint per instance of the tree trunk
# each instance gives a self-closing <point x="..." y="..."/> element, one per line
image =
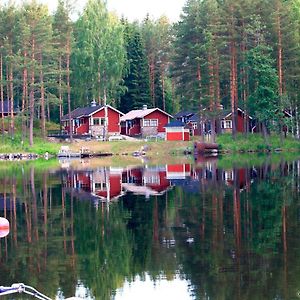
<point x="233" y="87"/>
<point x="2" y="94"/>
<point x="200" y="124"/>
<point x="11" y="89"/>
<point x="212" y="106"/>
<point x="280" y="69"/>
<point x="152" y="79"/>
<point x="217" y="93"/>
<point x="69" y="87"/>
<point x="61" y="112"/>
<point x="43" y="114"/>
<point x="24" y="97"/>
<point x="163" y="87"/>
<point x="31" y="96"/>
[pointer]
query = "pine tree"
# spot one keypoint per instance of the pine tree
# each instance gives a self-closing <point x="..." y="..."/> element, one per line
<point x="137" y="80"/>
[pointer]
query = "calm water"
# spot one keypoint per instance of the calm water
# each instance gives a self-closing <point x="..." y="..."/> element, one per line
<point x="210" y="230"/>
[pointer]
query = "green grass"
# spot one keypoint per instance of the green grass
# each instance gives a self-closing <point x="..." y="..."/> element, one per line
<point x="14" y="145"/>
<point x="256" y="143"/>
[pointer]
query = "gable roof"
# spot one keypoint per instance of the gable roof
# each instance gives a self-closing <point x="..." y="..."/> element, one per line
<point x="175" y="123"/>
<point x="87" y="111"/>
<point x="194" y="118"/>
<point x="184" y="113"/>
<point x="141" y="113"/>
<point x="228" y="113"/>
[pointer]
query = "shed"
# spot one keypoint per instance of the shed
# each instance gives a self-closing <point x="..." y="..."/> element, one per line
<point x="177" y="131"/>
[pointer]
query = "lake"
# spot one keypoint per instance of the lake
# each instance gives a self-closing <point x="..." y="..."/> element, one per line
<point x="211" y="229"/>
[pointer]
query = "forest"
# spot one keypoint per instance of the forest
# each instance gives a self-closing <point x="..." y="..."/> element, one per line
<point x="221" y="53"/>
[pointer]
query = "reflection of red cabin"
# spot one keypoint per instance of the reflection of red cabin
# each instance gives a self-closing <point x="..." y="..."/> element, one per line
<point x="93" y="120"/>
<point x="179" y="171"/>
<point x="144" y="122"/>
<point x="145" y="181"/>
<point x="105" y="184"/>
<point x="228" y="176"/>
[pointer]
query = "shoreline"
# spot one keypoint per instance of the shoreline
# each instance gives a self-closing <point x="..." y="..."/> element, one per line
<point x="156" y="149"/>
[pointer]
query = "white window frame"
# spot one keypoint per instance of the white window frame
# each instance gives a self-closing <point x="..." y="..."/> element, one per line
<point x="226" y="124"/>
<point x="101" y="121"/>
<point x="150" y="122"/>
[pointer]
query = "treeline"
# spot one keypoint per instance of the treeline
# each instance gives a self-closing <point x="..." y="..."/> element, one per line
<point x="232" y="53"/>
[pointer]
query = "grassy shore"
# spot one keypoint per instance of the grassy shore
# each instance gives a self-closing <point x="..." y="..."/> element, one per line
<point x="155" y="149"/>
<point x="256" y="143"/>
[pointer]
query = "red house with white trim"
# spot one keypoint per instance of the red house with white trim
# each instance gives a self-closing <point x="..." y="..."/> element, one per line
<point x="242" y="121"/>
<point x="94" y="120"/>
<point x="177" y="131"/>
<point x="144" y="122"/>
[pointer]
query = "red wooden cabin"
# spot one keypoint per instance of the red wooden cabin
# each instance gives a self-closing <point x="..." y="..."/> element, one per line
<point x="144" y="122"/>
<point x="93" y="120"/>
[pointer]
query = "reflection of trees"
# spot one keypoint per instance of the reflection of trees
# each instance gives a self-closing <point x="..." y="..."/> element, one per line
<point x="239" y="247"/>
<point x="239" y="233"/>
<point x="103" y="248"/>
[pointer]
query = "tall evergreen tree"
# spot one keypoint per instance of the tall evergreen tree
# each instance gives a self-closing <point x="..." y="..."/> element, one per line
<point x="136" y="81"/>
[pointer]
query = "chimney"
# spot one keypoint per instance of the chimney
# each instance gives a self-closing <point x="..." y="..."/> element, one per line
<point x="144" y="107"/>
<point x="93" y="103"/>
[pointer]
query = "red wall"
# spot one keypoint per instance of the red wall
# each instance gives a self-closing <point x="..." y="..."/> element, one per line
<point x="240" y="123"/>
<point x="186" y="136"/>
<point x="84" y="128"/>
<point x="174" y="136"/>
<point x="115" y="187"/>
<point x="136" y="128"/>
<point x="179" y="168"/>
<point x="163" y="119"/>
<point x="163" y="185"/>
<point x="113" y="119"/>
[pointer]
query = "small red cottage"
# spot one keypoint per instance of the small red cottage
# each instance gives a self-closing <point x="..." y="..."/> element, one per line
<point x="144" y="122"/>
<point x="226" y="121"/>
<point x="94" y="120"/>
<point x="177" y="131"/>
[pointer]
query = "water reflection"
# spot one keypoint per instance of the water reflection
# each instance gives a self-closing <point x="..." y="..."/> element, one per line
<point x="106" y="232"/>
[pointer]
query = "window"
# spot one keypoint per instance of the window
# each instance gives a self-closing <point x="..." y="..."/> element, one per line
<point x="150" y="123"/>
<point x="151" y="180"/>
<point x="226" y="124"/>
<point x="100" y="185"/>
<point x="153" y="123"/>
<point x="99" y="121"/>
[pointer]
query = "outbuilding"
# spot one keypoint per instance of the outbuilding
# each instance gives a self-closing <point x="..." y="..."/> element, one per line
<point x="177" y="131"/>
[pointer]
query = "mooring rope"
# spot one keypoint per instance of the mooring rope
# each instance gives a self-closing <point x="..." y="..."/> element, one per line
<point x="22" y="288"/>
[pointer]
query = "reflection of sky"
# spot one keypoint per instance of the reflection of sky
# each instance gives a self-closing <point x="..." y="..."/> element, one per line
<point x="148" y="290"/>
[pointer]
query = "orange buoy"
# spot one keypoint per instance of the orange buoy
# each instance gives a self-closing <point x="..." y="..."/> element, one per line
<point x="4" y="227"/>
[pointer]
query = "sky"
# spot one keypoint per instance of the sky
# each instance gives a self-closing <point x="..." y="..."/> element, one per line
<point x="137" y="9"/>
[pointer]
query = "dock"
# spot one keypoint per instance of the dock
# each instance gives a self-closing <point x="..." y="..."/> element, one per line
<point x="203" y="148"/>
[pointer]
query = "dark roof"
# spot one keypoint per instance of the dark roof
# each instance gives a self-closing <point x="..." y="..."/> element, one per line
<point x="184" y="113"/>
<point x="85" y="112"/>
<point x="81" y="112"/>
<point x="6" y="107"/>
<point x="227" y="113"/>
<point x="175" y="123"/>
<point x="194" y="118"/>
